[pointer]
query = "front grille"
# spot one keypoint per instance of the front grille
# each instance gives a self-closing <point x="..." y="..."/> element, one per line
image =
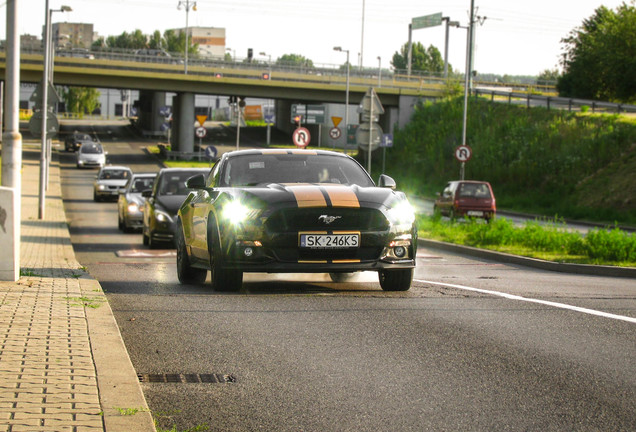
<point x="308" y="219"/>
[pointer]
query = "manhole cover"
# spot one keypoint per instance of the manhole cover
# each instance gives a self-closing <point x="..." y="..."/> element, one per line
<point x="209" y="378"/>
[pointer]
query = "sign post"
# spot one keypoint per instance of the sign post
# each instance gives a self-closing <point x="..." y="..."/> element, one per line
<point x="463" y="154"/>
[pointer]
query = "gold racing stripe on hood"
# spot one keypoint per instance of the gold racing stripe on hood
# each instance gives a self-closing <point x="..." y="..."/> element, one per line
<point x="308" y="195"/>
<point x="342" y="196"/>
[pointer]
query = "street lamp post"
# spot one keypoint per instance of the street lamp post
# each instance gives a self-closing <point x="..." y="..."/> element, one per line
<point x="269" y="61"/>
<point x="230" y="50"/>
<point x="48" y="75"/>
<point x="379" y="71"/>
<point x="187" y="5"/>
<point x="346" y="94"/>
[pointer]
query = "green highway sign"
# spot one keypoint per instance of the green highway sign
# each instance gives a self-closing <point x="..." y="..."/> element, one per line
<point x="426" y="21"/>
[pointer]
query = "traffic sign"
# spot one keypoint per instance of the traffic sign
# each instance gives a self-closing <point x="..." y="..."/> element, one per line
<point x="335" y="133"/>
<point x="164" y="126"/>
<point x="211" y="152"/>
<point x="301" y="137"/>
<point x="201" y="119"/>
<point x="463" y="153"/>
<point x="165" y="111"/>
<point x="35" y="124"/>
<point x="426" y="21"/>
<point x="387" y="140"/>
<point x="364" y="131"/>
<point x="311" y="114"/>
<point x="269" y="118"/>
<point x="201" y="132"/>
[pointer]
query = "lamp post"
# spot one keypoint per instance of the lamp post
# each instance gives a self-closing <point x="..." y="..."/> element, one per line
<point x="48" y="75"/>
<point x="379" y="71"/>
<point x="346" y="94"/>
<point x="269" y="61"/>
<point x="187" y="5"/>
<point x="230" y="50"/>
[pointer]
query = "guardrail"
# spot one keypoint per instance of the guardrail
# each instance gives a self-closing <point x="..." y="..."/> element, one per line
<point x="221" y="67"/>
<point x="555" y="102"/>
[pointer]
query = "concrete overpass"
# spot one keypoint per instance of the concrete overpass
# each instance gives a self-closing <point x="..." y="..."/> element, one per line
<point x="286" y="86"/>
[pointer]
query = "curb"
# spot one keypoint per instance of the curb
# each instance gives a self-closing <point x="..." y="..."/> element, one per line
<point x="583" y="269"/>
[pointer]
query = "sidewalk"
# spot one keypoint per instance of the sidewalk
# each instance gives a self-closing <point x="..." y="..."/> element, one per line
<point x="63" y="363"/>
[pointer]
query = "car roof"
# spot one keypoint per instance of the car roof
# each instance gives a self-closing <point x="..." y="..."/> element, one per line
<point x="283" y="151"/>
<point x="144" y="174"/>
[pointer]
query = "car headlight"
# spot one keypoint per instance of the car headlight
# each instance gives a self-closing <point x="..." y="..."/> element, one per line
<point x="236" y="212"/>
<point x="101" y="187"/>
<point x="402" y="213"/>
<point x="162" y="216"/>
<point x="133" y="207"/>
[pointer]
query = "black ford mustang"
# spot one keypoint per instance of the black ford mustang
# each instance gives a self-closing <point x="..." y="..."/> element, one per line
<point x="299" y="211"/>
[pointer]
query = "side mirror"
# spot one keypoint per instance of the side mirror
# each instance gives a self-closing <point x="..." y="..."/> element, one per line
<point x="196" y="182"/>
<point x="146" y="193"/>
<point x="386" y="181"/>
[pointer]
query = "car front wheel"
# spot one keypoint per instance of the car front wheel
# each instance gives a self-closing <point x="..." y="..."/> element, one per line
<point x="222" y="279"/>
<point x="396" y="280"/>
<point x="185" y="272"/>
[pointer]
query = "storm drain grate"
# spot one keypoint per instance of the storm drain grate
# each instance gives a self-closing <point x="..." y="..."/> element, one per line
<point x="211" y="378"/>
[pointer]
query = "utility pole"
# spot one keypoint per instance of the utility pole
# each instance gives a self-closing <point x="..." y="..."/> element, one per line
<point x="11" y="189"/>
<point x="187" y="5"/>
<point x="467" y="80"/>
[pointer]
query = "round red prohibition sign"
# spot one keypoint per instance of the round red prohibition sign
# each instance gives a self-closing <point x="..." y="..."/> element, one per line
<point x="463" y="153"/>
<point x="301" y="137"/>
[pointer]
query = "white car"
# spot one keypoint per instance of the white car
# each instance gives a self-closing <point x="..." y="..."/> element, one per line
<point x="109" y="181"/>
<point x="91" y="154"/>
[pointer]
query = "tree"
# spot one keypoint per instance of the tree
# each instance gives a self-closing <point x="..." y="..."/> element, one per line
<point x="599" y="60"/>
<point x="294" y="60"/>
<point x="425" y="60"/>
<point x="80" y="100"/>
<point x="548" y="77"/>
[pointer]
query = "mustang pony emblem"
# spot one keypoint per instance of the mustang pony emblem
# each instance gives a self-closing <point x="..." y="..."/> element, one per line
<point x="328" y="219"/>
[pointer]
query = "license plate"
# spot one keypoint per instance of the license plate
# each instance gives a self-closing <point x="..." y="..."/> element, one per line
<point x="329" y="241"/>
<point x="475" y="213"/>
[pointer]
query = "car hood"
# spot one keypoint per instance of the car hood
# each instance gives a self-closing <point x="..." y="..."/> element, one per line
<point x="170" y="203"/>
<point x="322" y="195"/>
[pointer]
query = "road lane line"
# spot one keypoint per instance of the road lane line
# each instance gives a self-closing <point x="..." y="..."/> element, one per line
<point x="531" y="300"/>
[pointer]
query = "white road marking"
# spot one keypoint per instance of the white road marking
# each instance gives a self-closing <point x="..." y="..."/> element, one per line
<point x="531" y="300"/>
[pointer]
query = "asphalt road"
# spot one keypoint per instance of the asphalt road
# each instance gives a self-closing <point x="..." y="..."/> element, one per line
<point x="298" y="352"/>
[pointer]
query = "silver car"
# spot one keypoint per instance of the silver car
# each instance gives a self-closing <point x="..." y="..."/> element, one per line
<point x="91" y="154"/>
<point x="131" y="203"/>
<point x="109" y="181"/>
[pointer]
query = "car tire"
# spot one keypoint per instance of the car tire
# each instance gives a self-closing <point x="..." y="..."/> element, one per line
<point x="185" y="272"/>
<point x="96" y="198"/>
<point x="145" y="239"/>
<point x="341" y="277"/>
<point x="222" y="279"/>
<point x="396" y="280"/>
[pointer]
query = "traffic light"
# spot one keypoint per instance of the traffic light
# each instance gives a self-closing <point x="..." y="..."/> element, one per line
<point x="265" y="75"/>
<point x="250" y="54"/>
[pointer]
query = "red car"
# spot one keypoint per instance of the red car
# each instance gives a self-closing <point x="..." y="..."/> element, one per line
<point x="466" y="198"/>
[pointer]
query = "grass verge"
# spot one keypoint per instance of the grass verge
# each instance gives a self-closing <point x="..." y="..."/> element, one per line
<point x="546" y="239"/>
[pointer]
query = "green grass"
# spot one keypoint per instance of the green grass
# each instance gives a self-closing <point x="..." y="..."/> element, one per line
<point x="548" y="239"/>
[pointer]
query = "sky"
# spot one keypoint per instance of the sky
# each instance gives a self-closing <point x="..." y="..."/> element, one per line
<point x="513" y="37"/>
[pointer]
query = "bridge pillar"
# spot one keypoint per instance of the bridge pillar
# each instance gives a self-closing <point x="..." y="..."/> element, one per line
<point x="150" y="120"/>
<point x="182" y="137"/>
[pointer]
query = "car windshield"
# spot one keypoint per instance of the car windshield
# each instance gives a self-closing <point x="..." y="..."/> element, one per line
<point x="174" y="183"/>
<point x="141" y="184"/>
<point x="114" y="174"/>
<point x="83" y="137"/>
<point x="474" y="190"/>
<point x="255" y="169"/>
<point x="92" y="148"/>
